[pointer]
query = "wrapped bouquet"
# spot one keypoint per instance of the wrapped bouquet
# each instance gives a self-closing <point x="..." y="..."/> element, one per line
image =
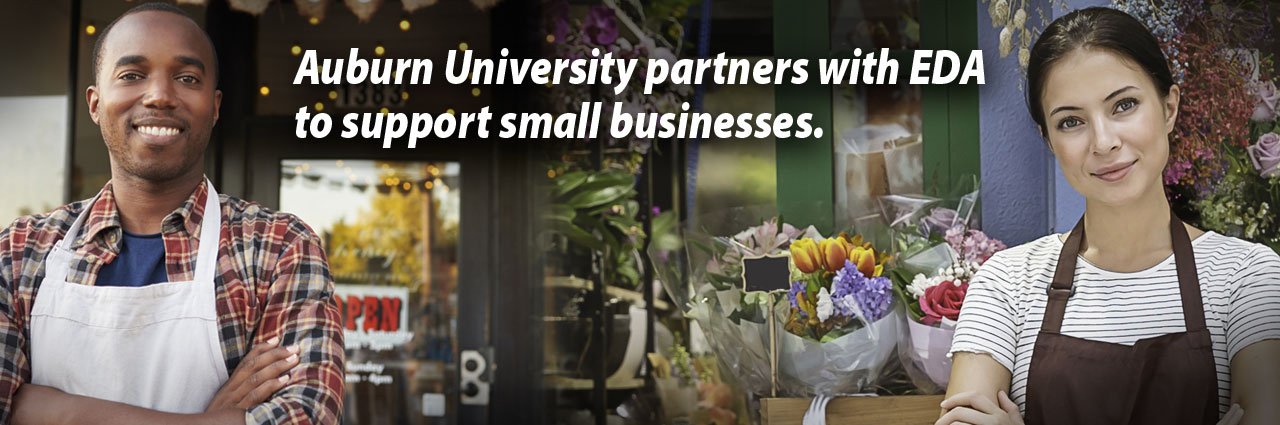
<point x="832" y="310"/>
<point x="939" y="254"/>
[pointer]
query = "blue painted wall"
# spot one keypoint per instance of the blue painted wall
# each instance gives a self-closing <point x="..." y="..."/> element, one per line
<point x="1017" y="182"/>
<point x="1025" y="195"/>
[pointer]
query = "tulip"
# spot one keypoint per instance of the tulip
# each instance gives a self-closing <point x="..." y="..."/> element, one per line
<point x="864" y="258"/>
<point x="805" y="255"/>
<point x="834" y="252"/>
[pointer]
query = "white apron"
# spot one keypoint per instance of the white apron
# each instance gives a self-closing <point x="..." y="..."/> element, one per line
<point x="154" y="346"/>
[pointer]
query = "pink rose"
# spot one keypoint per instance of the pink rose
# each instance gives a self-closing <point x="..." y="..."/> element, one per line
<point x="1266" y="155"/>
<point x="1268" y="101"/>
<point x="943" y="300"/>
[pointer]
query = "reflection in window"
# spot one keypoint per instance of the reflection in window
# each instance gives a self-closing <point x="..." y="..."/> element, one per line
<point x="390" y="230"/>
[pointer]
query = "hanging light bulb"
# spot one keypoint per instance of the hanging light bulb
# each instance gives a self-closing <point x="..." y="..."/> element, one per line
<point x="319" y="106"/>
<point x="404" y="25"/>
<point x="379" y="50"/>
<point x="463" y="46"/>
<point x="296" y="50"/>
<point x="313" y="20"/>
<point x="90" y="29"/>
<point x="264" y="90"/>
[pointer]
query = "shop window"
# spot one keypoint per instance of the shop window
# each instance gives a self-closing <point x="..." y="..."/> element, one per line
<point x="390" y="230"/>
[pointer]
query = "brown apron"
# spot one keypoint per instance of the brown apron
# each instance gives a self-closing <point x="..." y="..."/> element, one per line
<point x="1170" y="379"/>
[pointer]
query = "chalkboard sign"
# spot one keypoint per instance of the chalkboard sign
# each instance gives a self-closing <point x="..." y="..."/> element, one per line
<point x="765" y="274"/>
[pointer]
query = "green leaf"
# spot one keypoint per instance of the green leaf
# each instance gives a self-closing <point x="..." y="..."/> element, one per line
<point x="576" y="234"/>
<point x="562" y="212"/>
<point x="595" y="198"/>
<point x="601" y="181"/>
<point x="567" y="182"/>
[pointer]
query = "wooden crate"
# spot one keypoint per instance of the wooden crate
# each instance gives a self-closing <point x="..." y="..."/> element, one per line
<point x="892" y="410"/>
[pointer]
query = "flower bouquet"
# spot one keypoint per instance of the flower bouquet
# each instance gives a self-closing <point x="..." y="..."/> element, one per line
<point x="833" y="330"/>
<point x="939" y="254"/>
<point x="841" y="322"/>
<point x="1241" y="203"/>
<point x="706" y="280"/>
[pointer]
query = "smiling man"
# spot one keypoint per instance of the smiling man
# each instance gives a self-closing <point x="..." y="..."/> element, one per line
<point x="134" y="306"/>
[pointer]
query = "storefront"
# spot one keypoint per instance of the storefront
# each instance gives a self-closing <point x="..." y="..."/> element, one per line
<point x="605" y="281"/>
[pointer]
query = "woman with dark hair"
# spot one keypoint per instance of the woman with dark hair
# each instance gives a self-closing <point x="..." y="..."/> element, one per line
<point x="1132" y="317"/>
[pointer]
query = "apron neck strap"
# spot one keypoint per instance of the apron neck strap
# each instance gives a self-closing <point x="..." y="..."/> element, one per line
<point x="1062" y="286"/>
<point x="210" y="233"/>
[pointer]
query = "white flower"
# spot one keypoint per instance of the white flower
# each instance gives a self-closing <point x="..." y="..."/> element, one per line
<point x="825" y="307"/>
<point x="1006" y="42"/>
<point x="920" y="283"/>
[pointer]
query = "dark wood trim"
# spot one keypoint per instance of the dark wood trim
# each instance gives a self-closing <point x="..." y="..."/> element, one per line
<point x="73" y="94"/>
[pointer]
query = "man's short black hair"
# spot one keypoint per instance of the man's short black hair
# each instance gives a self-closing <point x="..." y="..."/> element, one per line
<point x="146" y="7"/>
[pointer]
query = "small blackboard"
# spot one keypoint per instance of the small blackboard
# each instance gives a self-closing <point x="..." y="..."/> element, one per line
<point x="765" y="274"/>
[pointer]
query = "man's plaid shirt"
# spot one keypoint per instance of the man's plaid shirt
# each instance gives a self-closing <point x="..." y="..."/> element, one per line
<point x="273" y="280"/>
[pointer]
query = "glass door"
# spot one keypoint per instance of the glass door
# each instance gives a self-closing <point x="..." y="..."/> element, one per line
<point x="390" y="229"/>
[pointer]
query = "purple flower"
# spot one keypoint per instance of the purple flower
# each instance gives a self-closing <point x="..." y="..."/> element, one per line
<point x="1268" y="106"/>
<point x="852" y="292"/>
<point x="1266" y="155"/>
<point x="797" y="290"/>
<point x="972" y="245"/>
<point x="601" y="26"/>
<point x="939" y="219"/>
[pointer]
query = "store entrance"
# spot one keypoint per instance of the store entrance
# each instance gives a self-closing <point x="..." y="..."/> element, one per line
<point x="405" y="234"/>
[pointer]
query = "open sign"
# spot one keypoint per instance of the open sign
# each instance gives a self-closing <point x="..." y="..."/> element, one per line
<point x="373" y="316"/>
<point x="376" y="313"/>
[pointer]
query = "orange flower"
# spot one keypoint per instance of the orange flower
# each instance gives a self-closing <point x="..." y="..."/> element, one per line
<point x="864" y="258"/>
<point x="834" y="253"/>
<point x="806" y="256"/>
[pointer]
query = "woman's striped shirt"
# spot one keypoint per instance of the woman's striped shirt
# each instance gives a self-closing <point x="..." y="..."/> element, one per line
<point x="1001" y="316"/>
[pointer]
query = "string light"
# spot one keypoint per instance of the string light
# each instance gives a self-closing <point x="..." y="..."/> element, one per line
<point x="90" y="29"/>
<point x="296" y="50"/>
<point x="384" y="110"/>
<point x="319" y="106"/>
<point x="449" y="111"/>
<point x="264" y="90"/>
<point x="475" y="92"/>
<point x="428" y="185"/>
<point x="462" y="46"/>
<point x="379" y="50"/>
<point x="404" y="95"/>
<point x="404" y="25"/>
<point x="551" y="38"/>
<point x="333" y="95"/>
<point x="314" y="20"/>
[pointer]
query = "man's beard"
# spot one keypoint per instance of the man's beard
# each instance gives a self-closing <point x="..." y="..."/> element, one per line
<point x="161" y="171"/>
